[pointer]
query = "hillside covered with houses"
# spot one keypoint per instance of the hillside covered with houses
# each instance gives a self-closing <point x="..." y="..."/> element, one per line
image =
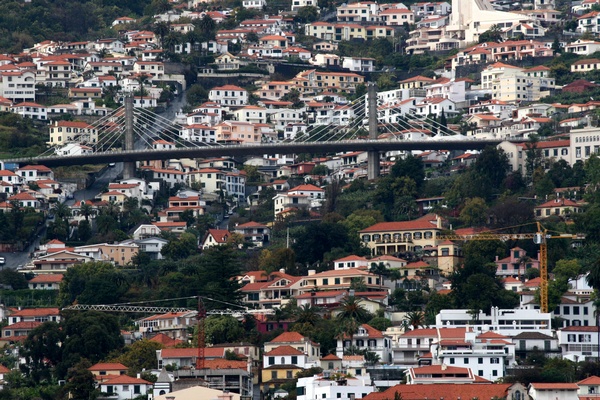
<point x="451" y="274"/>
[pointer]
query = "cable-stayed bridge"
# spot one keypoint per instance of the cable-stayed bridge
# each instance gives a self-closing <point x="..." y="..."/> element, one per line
<point x="128" y="135"/>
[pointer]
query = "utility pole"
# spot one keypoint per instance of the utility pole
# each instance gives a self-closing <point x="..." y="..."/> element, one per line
<point x="128" y="166"/>
<point x="373" y="155"/>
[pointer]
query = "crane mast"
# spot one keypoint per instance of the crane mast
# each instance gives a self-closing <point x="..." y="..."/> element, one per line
<point x="540" y="238"/>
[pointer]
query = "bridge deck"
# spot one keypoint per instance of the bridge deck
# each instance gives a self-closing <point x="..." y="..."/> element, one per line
<point x="256" y="149"/>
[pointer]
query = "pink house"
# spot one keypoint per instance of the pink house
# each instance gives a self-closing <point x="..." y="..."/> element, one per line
<point x="516" y="263"/>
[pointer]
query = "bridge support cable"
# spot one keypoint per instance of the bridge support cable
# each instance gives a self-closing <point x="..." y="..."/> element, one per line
<point x="171" y="132"/>
<point x="323" y="134"/>
<point x="174" y="129"/>
<point x="164" y="134"/>
<point x="317" y="130"/>
<point x="372" y="155"/>
<point x="355" y="125"/>
<point x="107" y="126"/>
<point x="433" y="125"/>
<point x="110" y="136"/>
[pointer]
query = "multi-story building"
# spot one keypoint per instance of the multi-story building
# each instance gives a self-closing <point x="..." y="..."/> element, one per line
<point x="174" y="325"/>
<point x="397" y="237"/>
<point x="578" y="342"/>
<point x="487" y="354"/>
<point x="369" y="339"/>
<point x="324" y="386"/>
<point x="516" y="264"/>
<point x="228" y="95"/>
<point x="506" y="322"/>
<point x="62" y="132"/>
<point x="18" y="86"/>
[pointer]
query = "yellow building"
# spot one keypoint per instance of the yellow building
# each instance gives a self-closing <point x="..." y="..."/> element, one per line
<point x="397" y="237"/>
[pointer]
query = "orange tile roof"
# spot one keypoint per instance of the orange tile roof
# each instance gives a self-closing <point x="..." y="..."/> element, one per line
<point x="124" y="380"/>
<point x="289" y="337"/>
<point x="284" y="351"/>
<point x="36" y="312"/>
<point x="165" y="340"/>
<point x="555" y="386"/>
<point x="108" y="367"/>
<point x="448" y="391"/>
<point x="47" y="278"/>
<point x="399" y="226"/>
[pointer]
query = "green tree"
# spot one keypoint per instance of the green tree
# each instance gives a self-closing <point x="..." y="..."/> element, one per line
<point x="42" y="351"/>
<point x="139" y="356"/>
<point x="474" y="212"/>
<point x="223" y="329"/>
<point x="92" y="283"/>
<point x="91" y="335"/>
<point x="180" y="248"/>
<point x="307" y="14"/>
<point x="80" y="381"/>
<point x="352" y="309"/>
<point x="494" y="34"/>
<point x="217" y="269"/>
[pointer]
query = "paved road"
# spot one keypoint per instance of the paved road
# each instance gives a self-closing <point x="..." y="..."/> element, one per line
<point x="109" y="174"/>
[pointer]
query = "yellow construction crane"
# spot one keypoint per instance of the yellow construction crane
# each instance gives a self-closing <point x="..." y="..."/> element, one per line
<point x="540" y="238"/>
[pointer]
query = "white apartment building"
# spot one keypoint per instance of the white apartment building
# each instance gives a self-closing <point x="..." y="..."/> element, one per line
<point x="198" y="133"/>
<point x="358" y="12"/>
<point x="487" y="354"/>
<point x="251" y="114"/>
<point x="298" y="4"/>
<point x="509" y="322"/>
<point x="369" y="339"/>
<point x="509" y="83"/>
<point x="18" y="86"/>
<point x="323" y="387"/>
<point x="254" y="4"/>
<point x="578" y="342"/>
<point x="228" y="95"/>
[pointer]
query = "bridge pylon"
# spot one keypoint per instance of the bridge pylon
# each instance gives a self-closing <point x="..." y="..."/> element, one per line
<point x="372" y="155"/>
<point x="128" y="142"/>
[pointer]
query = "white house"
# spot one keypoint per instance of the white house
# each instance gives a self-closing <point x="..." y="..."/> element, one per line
<point x="322" y="387"/>
<point x="369" y="339"/>
<point x="123" y="387"/>
<point x="228" y="95"/>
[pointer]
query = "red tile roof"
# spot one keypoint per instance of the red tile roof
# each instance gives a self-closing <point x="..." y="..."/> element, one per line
<point x="284" y="351"/>
<point x="399" y="226"/>
<point x="289" y="337"/>
<point x="108" y="367"/>
<point x="123" y="380"/>
<point x="447" y="391"/>
<point x="35" y="312"/>
<point x="47" y="278"/>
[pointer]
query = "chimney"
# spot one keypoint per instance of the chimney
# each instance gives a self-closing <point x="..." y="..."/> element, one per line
<point x="444" y="367"/>
<point x="282" y="270"/>
<point x="438" y="221"/>
<point x="311" y="272"/>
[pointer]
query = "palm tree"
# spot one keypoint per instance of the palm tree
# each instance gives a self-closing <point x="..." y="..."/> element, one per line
<point x="351" y="309"/>
<point x="395" y="276"/>
<point x="86" y="210"/>
<point x="308" y="314"/>
<point x="593" y="277"/>
<point x="61" y="210"/>
<point x="415" y="319"/>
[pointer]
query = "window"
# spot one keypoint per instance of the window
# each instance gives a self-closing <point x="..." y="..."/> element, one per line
<point x="480" y="360"/>
<point x="273" y="374"/>
<point x="289" y="375"/>
<point x="465" y="360"/>
<point x="495" y="372"/>
<point x="294" y="359"/>
<point x="451" y="360"/>
<point x="271" y="360"/>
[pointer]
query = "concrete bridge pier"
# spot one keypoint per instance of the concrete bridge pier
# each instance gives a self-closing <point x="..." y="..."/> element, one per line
<point x="372" y="155"/>
<point x="128" y="142"/>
